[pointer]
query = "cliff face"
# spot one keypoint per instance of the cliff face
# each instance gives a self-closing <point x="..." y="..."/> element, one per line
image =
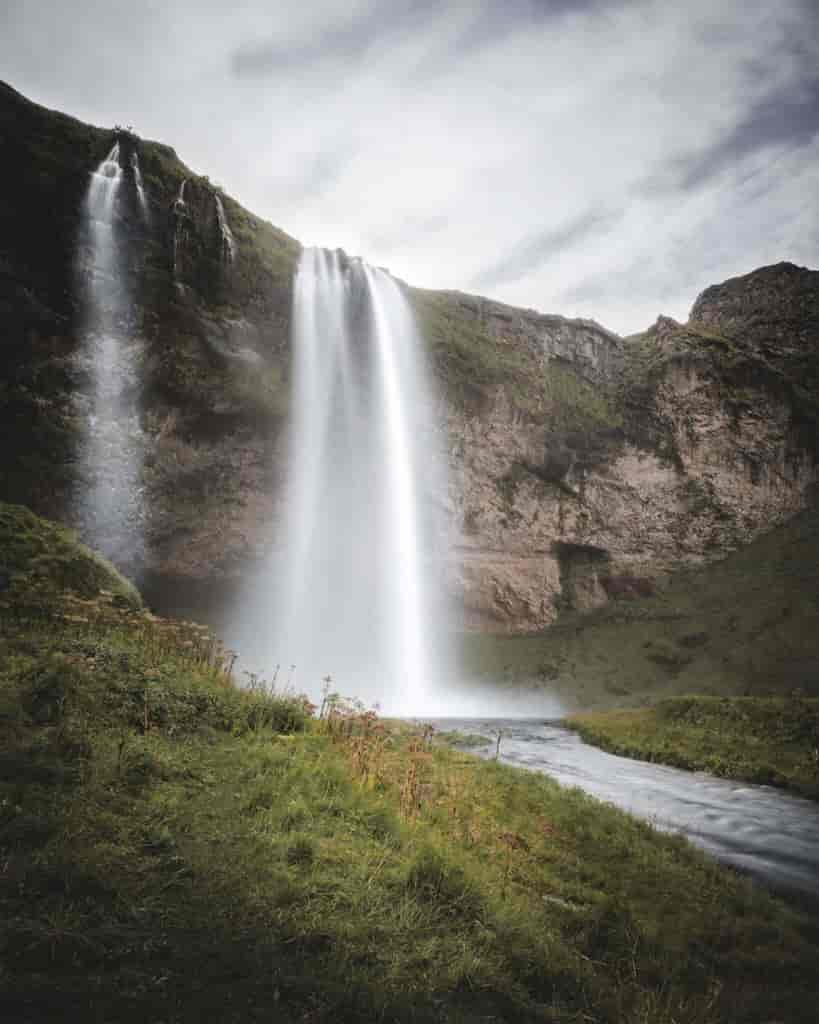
<point x="583" y="467"/>
<point x="207" y="291"/>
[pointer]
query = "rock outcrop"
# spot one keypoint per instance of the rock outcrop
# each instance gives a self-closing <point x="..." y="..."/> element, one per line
<point x="584" y="468"/>
<point x="709" y="438"/>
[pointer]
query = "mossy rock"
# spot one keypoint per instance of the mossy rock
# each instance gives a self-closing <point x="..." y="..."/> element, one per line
<point x="38" y="557"/>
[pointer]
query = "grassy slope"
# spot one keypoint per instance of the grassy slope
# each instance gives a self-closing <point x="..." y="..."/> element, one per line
<point x="742" y="626"/>
<point x="474" y="366"/>
<point x="174" y="849"/>
<point x="767" y="740"/>
<point x="40" y="559"/>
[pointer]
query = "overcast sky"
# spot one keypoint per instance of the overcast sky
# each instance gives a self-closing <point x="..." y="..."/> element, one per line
<point x="601" y="158"/>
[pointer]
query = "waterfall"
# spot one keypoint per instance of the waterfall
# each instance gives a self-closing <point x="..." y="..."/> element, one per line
<point x="140" y="190"/>
<point x="108" y="506"/>
<point x="98" y="217"/>
<point x="228" y="244"/>
<point x="356" y="591"/>
<point x="179" y="212"/>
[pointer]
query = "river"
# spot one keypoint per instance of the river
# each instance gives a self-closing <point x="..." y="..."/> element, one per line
<point x="757" y="829"/>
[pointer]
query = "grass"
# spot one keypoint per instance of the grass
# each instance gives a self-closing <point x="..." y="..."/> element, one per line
<point x="472" y="365"/>
<point x="40" y="559"/>
<point x="743" y="626"/>
<point x="765" y="740"/>
<point x="174" y="848"/>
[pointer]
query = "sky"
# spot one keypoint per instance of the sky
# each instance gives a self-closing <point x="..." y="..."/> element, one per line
<point x="597" y="158"/>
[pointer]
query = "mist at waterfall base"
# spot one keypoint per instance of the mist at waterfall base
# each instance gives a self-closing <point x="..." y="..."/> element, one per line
<point x="108" y="496"/>
<point x="354" y="589"/>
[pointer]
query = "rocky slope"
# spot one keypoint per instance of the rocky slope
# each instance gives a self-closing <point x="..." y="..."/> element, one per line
<point x="700" y="438"/>
<point x="583" y="467"/>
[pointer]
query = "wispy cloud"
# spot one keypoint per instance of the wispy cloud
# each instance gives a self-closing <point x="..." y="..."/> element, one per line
<point x="344" y="35"/>
<point x="604" y="158"/>
<point x="790" y="118"/>
<point x="532" y="252"/>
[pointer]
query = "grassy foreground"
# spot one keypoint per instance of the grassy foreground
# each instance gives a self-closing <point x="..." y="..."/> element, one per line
<point x="175" y="849"/>
<point x="766" y="740"/>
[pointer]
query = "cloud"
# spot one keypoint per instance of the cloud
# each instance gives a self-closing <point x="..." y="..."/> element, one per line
<point x="346" y="39"/>
<point x="603" y="158"/>
<point x="410" y="229"/>
<point x="791" y="118"/>
<point x="316" y="175"/>
<point x="532" y="252"/>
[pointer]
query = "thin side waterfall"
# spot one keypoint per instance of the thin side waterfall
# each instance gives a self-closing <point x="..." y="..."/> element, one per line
<point x="180" y="211"/>
<point x="355" y="590"/>
<point x="108" y="504"/>
<point x="228" y="244"/>
<point x="140" y="190"/>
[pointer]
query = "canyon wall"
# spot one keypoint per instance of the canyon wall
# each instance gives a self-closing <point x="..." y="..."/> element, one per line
<point x="584" y="468"/>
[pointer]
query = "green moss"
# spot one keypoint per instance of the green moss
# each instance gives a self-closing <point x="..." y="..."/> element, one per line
<point x="575" y="406"/>
<point x="39" y="559"/>
<point x="472" y="365"/>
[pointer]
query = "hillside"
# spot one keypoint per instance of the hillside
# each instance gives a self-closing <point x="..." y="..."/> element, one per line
<point x="582" y="467"/>
<point x="745" y="625"/>
<point x="173" y="848"/>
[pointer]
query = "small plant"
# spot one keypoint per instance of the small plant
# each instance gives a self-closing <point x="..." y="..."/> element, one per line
<point x="301" y="852"/>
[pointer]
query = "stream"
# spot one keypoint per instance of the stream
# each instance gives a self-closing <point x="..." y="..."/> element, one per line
<point x="757" y="829"/>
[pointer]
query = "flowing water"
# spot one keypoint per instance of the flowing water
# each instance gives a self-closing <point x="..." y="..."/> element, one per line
<point x="353" y="591"/>
<point x="758" y="829"/>
<point x="228" y="243"/>
<point x="140" y="190"/>
<point x="108" y="501"/>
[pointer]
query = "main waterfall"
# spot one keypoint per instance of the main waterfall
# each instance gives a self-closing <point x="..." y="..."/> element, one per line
<point x="356" y="592"/>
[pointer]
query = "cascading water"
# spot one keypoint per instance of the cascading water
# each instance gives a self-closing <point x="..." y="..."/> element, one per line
<point x="108" y="504"/>
<point x="98" y="216"/>
<point x="228" y="245"/>
<point x="180" y="213"/>
<point x="140" y="190"/>
<point x="356" y="590"/>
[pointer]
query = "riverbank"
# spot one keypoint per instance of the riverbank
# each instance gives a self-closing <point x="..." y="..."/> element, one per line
<point x="692" y="635"/>
<point x="772" y="741"/>
<point x="176" y="849"/>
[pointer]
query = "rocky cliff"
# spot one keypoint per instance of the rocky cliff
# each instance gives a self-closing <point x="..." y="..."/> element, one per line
<point x="695" y="439"/>
<point x="583" y="467"/>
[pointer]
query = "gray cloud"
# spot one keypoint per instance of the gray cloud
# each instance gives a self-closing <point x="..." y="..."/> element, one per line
<point x="344" y="40"/>
<point x="492" y="23"/>
<point x="790" y="118"/>
<point x="316" y="176"/>
<point x="406" y="231"/>
<point x="535" y="250"/>
<point x="602" y="158"/>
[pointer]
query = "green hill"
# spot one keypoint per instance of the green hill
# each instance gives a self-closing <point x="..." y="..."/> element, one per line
<point x="746" y="625"/>
<point x="174" y="848"/>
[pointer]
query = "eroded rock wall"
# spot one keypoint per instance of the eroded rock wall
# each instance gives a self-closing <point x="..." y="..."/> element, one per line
<point x="583" y="468"/>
